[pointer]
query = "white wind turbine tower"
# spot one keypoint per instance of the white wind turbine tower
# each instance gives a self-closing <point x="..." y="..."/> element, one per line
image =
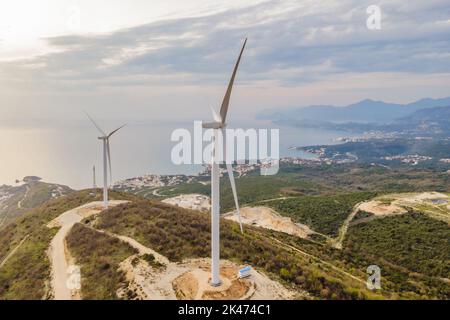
<point x="93" y="176"/>
<point x="106" y="158"/>
<point x="219" y="127"/>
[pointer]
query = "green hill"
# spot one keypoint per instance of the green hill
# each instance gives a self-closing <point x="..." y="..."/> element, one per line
<point x="26" y="273"/>
<point x="17" y="200"/>
<point x="303" y="265"/>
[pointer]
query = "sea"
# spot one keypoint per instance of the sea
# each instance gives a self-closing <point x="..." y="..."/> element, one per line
<point x="67" y="154"/>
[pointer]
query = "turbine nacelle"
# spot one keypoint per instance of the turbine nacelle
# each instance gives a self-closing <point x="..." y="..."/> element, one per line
<point x="213" y="125"/>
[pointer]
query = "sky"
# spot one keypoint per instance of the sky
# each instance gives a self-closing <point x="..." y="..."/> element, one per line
<point x="158" y="65"/>
<point x="156" y="61"/>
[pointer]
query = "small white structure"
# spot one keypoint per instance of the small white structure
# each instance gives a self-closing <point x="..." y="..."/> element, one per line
<point x="244" y="272"/>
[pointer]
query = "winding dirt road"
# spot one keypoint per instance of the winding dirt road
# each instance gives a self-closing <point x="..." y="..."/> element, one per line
<point x="337" y="242"/>
<point x="58" y="255"/>
<point x="13" y="251"/>
<point x="342" y="271"/>
<point x="19" y="204"/>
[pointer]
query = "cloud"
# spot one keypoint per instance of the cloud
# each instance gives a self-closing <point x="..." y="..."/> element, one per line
<point x="283" y="35"/>
<point x="292" y="45"/>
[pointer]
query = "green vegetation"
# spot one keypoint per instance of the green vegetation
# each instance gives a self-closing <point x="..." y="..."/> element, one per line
<point x="324" y="214"/>
<point x="195" y="187"/>
<point x="251" y="189"/>
<point x="257" y="188"/>
<point x="362" y="215"/>
<point x="413" y="241"/>
<point x="411" y="249"/>
<point x="376" y="149"/>
<point x="25" y="275"/>
<point x="179" y="234"/>
<point x="40" y="192"/>
<point x="150" y="259"/>
<point x="322" y="197"/>
<point x="99" y="256"/>
<point x="299" y="180"/>
<point x="398" y="282"/>
<point x="364" y="177"/>
<point x="26" y="197"/>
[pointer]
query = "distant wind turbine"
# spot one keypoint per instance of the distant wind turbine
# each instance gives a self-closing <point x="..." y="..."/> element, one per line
<point x="106" y="158"/>
<point x="219" y="124"/>
<point x="93" y="176"/>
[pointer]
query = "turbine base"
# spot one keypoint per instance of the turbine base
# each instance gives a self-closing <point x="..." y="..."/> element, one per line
<point x="212" y="284"/>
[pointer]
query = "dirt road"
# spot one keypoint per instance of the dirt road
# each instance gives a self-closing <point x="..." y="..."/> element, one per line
<point x="57" y="251"/>
<point x="19" y="204"/>
<point x="192" y="275"/>
<point x="337" y="243"/>
<point x="332" y="266"/>
<point x="13" y="251"/>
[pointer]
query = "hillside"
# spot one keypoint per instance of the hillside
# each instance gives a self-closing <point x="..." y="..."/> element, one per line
<point x="309" y="268"/>
<point x="432" y="120"/>
<point x="324" y="214"/>
<point x="154" y="224"/>
<point x="302" y="180"/>
<point x="180" y="234"/>
<point x="16" y="200"/>
<point x="25" y="275"/>
<point x="395" y="239"/>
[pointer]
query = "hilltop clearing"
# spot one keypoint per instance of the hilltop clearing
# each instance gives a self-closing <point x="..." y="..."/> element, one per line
<point x="267" y="218"/>
<point x="194" y="201"/>
<point x="434" y="204"/>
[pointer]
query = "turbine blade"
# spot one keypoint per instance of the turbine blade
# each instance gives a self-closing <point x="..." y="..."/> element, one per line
<point x="226" y="98"/>
<point x="112" y="132"/>
<point x="95" y="124"/>
<point x="109" y="161"/>
<point x="233" y="188"/>
<point x="216" y="117"/>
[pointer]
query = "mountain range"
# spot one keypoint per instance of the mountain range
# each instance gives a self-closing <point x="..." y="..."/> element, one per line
<point x="365" y="111"/>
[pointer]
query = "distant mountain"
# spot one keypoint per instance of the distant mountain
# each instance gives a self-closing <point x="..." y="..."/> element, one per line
<point x="428" y="102"/>
<point x="438" y="115"/>
<point x="26" y="195"/>
<point x="431" y="121"/>
<point x="365" y="111"/>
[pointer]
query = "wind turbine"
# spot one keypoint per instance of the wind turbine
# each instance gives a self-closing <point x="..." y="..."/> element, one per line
<point x="94" y="185"/>
<point x="218" y="127"/>
<point x="93" y="176"/>
<point x="106" y="158"/>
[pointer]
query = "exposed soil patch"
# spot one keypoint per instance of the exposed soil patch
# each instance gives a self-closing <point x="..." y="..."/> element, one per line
<point x="189" y="280"/>
<point x="266" y="217"/>
<point x="378" y="208"/>
<point x="198" y="202"/>
<point x="434" y="204"/>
